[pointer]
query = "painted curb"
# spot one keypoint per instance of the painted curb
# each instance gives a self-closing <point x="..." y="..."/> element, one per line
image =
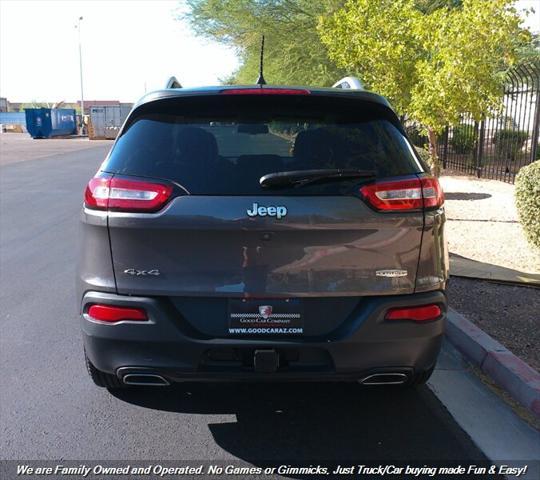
<point x="520" y="380"/>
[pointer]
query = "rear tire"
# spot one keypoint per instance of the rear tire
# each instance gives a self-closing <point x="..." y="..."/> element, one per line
<point x="420" y="378"/>
<point x="102" y="379"/>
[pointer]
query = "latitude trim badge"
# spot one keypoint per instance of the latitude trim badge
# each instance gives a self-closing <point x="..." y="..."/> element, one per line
<point x="391" y="273"/>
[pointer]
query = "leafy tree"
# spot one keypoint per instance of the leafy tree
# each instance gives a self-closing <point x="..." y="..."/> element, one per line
<point x="294" y="53"/>
<point x="429" y="6"/>
<point x="34" y="104"/>
<point x="530" y="52"/>
<point x="434" y="64"/>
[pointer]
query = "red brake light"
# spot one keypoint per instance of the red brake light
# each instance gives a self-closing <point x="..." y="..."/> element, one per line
<point x="265" y="91"/>
<point x="425" y="313"/>
<point x="112" y="314"/>
<point x="104" y="193"/>
<point x="432" y="191"/>
<point x="96" y="193"/>
<point x="400" y="195"/>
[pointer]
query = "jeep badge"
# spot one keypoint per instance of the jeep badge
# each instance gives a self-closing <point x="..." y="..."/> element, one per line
<point x="271" y="211"/>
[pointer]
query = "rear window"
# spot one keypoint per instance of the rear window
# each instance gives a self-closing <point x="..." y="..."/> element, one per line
<point x="223" y="145"/>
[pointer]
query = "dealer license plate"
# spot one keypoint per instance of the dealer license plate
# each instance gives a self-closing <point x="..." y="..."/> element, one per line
<point x="266" y="317"/>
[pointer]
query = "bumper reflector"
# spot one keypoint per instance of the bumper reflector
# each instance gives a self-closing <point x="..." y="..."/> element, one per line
<point x="112" y="314"/>
<point x="424" y="313"/>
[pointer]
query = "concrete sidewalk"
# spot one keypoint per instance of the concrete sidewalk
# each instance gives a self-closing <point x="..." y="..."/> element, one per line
<point x="469" y="268"/>
<point x="508" y="371"/>
<point x="492" y="425"/>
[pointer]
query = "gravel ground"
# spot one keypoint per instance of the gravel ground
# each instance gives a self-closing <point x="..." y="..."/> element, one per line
<point x="483" y="223"/>
<point x="508" y="313"/>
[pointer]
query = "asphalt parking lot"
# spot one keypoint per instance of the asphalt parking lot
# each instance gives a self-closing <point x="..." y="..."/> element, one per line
<point x="49" y="408"/>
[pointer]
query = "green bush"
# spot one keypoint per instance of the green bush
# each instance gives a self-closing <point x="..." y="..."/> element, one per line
<point x="528" y="201"/>
<point x="416" y="135"/>
<point x="463" y="139"/>
<point x="425" y="156"/>
<point x="508" y="143"/>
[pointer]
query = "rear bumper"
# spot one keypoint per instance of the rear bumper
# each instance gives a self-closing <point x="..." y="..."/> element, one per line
<point x="363" y="345"/>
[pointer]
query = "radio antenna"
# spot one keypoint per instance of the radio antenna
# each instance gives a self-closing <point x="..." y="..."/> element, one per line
<point x="261" y="81"/>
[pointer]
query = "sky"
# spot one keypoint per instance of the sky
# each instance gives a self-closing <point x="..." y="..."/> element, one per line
<point x="128" y="47"/>
<point x="532" y="20"/>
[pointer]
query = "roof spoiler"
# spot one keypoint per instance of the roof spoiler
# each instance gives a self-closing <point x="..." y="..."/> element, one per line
<point x="352" y="83"/>
<point x="173" y="83"/>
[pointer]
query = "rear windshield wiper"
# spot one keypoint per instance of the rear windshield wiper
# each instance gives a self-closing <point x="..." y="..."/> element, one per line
<point x="299" y="178"/>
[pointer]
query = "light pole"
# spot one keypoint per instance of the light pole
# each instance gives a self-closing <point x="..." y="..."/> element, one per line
<point x="78" y="27"/>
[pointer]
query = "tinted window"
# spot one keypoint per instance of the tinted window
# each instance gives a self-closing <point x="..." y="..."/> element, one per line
<point x="224" y="145"/>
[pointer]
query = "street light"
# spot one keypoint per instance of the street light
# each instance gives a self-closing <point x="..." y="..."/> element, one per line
<point x="78" y="27"/>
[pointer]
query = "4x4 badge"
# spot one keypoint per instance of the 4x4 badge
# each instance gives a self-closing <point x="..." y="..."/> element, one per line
<point x="133" y="271"/>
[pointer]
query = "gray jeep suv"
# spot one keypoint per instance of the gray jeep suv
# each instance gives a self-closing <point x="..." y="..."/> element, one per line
<point x="254" y="233"/>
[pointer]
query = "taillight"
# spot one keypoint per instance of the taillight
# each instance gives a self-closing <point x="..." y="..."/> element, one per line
<point x="112" y="314"/>
<point x="424" y="313"/>
<point x="265" y="91"/>
<point x="96" y="194"/>
<point x="409" y="194"/>
<point x="104" y="192"/>
<point x="432" y="192"/>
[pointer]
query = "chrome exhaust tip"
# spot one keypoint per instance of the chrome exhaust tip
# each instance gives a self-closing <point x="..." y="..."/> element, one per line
<point x="145" y="379"/>
<point x="387" y="378"/>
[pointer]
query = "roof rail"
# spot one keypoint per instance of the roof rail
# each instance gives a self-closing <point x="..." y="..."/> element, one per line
<point x="173" y="83"/>
<point x="352" y="83"/>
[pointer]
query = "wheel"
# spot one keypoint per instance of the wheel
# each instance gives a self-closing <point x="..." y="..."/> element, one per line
<point x="102" y="379"/>
<point x="420" y="378"/>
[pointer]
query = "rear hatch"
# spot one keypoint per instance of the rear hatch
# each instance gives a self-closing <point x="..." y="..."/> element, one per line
<point x="212" y="232"/>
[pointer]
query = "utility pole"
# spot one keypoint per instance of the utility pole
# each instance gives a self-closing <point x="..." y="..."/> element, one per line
<point x="78" y="27"/>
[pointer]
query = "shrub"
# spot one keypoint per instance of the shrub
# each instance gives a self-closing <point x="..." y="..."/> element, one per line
<point x="425" y="156"/>
<point x="463" y="139"/>
<point x="508" y="143"/>
<point x="415" y="134"/>
<point x="528" y="201"/>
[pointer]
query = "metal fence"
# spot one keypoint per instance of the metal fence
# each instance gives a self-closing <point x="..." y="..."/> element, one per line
<point x="500" y="145"/>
